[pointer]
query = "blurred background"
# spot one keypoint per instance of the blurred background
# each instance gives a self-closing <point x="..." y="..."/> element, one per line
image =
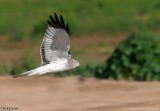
<point x="111" y="38"/>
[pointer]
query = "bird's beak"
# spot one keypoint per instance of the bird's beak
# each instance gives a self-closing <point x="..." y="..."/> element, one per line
<point x="78" y="64"/>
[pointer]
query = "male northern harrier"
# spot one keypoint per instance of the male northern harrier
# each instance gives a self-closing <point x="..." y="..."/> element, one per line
<point x="55" y="49"/>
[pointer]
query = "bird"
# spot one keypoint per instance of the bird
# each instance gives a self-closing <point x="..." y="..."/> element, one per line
<point x="55" y="49"/>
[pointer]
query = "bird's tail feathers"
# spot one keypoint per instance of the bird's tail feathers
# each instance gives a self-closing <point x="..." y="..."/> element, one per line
<point x="25" y="73"/>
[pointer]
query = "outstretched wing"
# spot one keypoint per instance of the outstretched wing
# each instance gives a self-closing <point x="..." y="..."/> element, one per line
<point x="56" y="42"/>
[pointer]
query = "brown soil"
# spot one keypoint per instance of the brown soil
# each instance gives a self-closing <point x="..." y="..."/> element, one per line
<point x="73" y="94"/>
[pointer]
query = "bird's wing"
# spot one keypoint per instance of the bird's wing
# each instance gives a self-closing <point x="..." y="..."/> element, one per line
<point x="56" y="42"/>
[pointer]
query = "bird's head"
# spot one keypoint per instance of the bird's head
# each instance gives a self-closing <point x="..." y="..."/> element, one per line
<point x="73" y="63"/>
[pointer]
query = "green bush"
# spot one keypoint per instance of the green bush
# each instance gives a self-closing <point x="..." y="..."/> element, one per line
<point x="137" y="58"/>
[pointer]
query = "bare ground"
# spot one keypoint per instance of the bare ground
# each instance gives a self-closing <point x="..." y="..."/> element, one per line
<point x="73" y="94"/>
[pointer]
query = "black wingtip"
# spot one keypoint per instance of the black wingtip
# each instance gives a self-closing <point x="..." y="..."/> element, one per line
<point x="51" y="18"/>
<point x="58" y="23"/>
<point x="57" y="20"/>
<point x="55" y="15"/>
<point x="62" y="21"/>
<point x="49" y="23"/>
<point x="67" y="28"/>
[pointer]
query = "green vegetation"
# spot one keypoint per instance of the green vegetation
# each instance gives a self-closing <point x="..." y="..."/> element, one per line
<point x="27" y="18"/>
<point x="137" y="58"/>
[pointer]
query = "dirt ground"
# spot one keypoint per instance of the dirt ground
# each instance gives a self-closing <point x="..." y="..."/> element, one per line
<point x="74" y="94"/>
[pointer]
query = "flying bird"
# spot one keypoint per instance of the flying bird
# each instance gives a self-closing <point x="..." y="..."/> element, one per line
<point x="55" y="49"/>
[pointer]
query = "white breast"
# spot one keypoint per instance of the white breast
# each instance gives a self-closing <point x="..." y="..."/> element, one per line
<point x="57" y="66"/>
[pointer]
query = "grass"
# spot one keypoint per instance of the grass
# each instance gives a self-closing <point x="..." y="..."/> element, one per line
<point x="27" y="19"/>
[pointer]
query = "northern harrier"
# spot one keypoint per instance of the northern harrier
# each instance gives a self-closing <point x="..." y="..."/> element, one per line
<point x="55" y="49"/>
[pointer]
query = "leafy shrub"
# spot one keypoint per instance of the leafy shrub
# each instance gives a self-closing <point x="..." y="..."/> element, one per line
<point x="137" y="58"/>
